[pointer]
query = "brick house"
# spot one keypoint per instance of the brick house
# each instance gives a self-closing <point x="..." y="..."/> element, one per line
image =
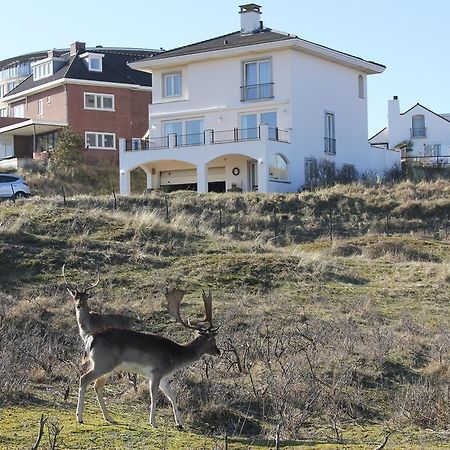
<point x="93" y="91"/>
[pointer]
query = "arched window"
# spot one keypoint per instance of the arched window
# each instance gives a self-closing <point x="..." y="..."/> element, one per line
<point x="361" y="86"/>
<point x="418" y="129"/>
<point x="278" y="168"/>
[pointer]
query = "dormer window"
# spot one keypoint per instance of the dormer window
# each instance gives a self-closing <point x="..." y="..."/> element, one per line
<point x="94" y="61"/>
<point x="46" y="67"/>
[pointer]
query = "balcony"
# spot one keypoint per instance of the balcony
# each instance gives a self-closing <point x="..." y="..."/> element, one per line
<point x="256" y="92"/>
<point x="207" y="137"/>
<point x="418" y="133"/>
<point x="330" y="146"/>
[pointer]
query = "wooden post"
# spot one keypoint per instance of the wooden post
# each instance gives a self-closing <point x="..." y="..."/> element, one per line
<point x="277" y="438"/>
<point x="115" y="200"/>
<point x="63" y="194"/>
<point x="226" y="440"/>
<point x="220" y="220"/>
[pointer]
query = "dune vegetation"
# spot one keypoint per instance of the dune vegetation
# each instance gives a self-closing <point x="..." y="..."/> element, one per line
<point x="334" y="306"/>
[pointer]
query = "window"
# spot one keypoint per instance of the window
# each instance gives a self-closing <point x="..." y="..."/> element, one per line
<point x="250" y="123"/>
<point x="257" y="79"/>
<point x="432" y="150"/>
<point x="361" y="87"/>
<point x="103" y="102"/>
<point x="40" y="107"/>
<point x="330" y="140"/>
<point x="18" y="111"/>
<point x="418" y="129"/>
<point x="311" y="172"/>
<point x="46" y="142"/>
<point x="95" y="64"/>
<point x="105" y="141"/>
<point x="188" y="132"/>
<point x="42" y="70"/>
<point x="278" y="168"/>
<point x="172" y="85"/>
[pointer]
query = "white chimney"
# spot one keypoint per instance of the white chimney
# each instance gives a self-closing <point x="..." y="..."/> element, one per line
<point x="250" y="20"/>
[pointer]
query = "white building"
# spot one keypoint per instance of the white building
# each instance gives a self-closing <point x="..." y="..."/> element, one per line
<point x="420" y="134"/>
<point x="253" y="110"/>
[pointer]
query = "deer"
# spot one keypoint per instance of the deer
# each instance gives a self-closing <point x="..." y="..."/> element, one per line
<point x="153" y="356"/>
<point x="90" y="321"/>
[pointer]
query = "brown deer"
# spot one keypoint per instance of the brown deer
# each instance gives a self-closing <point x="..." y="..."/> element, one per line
<point x="150" y="355"/>
<point x="90" y="321"/>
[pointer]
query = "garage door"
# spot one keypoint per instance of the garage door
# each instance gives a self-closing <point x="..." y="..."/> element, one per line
<point x="189" y="176"/>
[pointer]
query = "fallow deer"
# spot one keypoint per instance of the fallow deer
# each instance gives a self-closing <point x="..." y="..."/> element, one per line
<point x="91" y="321"/>
<point x="153" y="356"/>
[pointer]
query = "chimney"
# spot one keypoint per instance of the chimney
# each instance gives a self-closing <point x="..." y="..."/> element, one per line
<point x="250" y="20"/>
<point x="394" y="123"/>
<point x="77" y="47"/>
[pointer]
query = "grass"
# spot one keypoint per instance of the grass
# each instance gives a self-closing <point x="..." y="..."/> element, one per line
<point x="375" y="301"/>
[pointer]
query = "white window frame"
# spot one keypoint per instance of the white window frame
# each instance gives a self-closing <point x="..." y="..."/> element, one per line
<point x="99" y="98"/>
<point x="330" y="130"/>
<point x="279" y="180"/>
<point x="100" y="62"/>
<point x="40" y="109"/>
<point x="259" y="92"/>
<point x="171" y="76"/>
<point x="97" y="136"/>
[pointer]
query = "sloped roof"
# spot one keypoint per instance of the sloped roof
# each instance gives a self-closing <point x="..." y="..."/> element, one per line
<point x="380" y="137"/>
<point x="426" y="109"/>
<point x="236" y="40"/>
<point x="115" y="70"/>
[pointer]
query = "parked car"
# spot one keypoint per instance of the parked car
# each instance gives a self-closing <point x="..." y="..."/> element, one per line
<point x="13" y="186"/>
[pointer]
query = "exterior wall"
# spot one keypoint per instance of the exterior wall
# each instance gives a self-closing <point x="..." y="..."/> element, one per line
<point x="6" y="146"/>
<point x="437" y="129"/>
<point x="305" y="87"/>
<point x="23" y="146"/>
<point x="128" y="120"/>
<point x="54" y="102"/>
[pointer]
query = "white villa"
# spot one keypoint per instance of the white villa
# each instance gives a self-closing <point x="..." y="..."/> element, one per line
<point x="252" y="110"/>
<point x="421" y="134"/>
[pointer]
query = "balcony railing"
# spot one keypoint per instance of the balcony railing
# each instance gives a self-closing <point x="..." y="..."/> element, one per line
<point x="330" y="145"/>
<point x="418" y="133"/>
<point x="208" y="136"/>
<point x="256" y="92"/>
<point x="430" y="161"/>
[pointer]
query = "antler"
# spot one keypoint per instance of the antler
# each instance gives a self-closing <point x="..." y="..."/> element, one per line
<point x="174" y="298"/>
<point x="95" y="284"/>
<point x="68" y="286"/>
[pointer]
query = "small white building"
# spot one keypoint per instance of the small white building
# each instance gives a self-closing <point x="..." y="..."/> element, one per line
<point x="419" y="133"/>
<point x="255" y="109"/>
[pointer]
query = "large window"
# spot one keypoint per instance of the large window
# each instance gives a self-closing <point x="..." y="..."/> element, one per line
<point x="103" y="102"/>
<point x="418" y="129"/>
<point x="278" y="168"/>
<point x="172" y="85"/>
<point x="257" y="80"/>
<point x="251" y="122"/>
<point x="330" y="137"/>
<point x="188" y="132"/>
<point x="106" y="141"/>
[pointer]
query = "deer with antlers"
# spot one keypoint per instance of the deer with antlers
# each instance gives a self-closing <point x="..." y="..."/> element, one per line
<point x="150" y="355"/>
<point x="90" y="321"/>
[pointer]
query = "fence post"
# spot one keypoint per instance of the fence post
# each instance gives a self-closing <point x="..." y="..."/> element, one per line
<point x="63" y="192"/>
<point x="166" y="206"/>
<point x="226" y="440"/>
<point x="220" y="220"/>
<point x="277" y="438"/>
<point x="115" y="200"/>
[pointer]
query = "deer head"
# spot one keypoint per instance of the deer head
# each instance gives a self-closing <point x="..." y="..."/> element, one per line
<point x="79" y="295"/>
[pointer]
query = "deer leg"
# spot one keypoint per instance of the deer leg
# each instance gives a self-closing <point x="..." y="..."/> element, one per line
<point x="98" y="386"/>
<point x="168" y="392"/>
<point x="154" y="386"/>
<point x="85" y="380"/>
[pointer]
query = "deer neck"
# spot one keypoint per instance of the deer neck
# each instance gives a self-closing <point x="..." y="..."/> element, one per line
<point x="195" y="349"/>
<point x="84" y="320"/>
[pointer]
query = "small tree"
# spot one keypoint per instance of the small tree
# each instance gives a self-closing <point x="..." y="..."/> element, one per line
<point x="66" y="155"/>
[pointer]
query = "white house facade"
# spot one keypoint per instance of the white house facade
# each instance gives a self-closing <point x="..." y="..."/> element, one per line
<point x="253" y="110"/>
<point x="420" y="134"/>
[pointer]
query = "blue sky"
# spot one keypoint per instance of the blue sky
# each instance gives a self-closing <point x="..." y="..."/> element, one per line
<point x="409" y="37"/>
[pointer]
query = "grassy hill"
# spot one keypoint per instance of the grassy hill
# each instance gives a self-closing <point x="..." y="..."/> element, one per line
<point x="334" y="307"/>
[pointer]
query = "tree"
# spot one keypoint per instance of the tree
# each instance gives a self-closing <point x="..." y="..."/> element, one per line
<point x="66" y="155"/>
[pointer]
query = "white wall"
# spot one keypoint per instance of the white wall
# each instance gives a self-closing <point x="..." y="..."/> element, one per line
<point x="6" y="146"/>
<point x="437" y="128"/>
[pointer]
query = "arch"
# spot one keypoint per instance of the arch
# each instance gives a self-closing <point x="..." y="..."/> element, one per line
<point x="278" y="168"/>
<point x="418" y="129"/>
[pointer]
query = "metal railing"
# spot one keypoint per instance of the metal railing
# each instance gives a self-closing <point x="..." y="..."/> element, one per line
<point x="217" y="137"/>
<point x="256" y="91"/>
<point x="427" y="160"/>
<point x="418" y="133"/>
<point x="330" y="145"/>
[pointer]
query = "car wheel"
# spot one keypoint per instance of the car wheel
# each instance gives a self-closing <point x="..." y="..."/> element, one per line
<point x="20" y="194"/>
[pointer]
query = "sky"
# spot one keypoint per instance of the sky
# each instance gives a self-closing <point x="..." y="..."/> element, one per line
<point x="409" y="37"/>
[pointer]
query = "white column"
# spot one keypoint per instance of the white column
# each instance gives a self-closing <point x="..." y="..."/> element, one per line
<point x="125" y="182"/>
<point x="262" y="174"/>
<point x="264" y="130"/>
<point x="150" y="177"/>
<point x="202" y="178"/>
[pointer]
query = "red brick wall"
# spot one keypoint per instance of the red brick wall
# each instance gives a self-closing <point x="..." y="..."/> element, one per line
<point x="130" y="118"/>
